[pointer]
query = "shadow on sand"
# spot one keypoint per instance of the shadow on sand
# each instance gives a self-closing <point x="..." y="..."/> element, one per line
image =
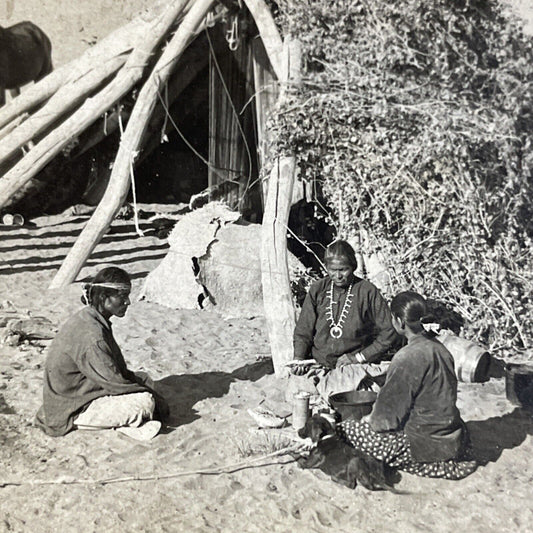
<point x="184" y="391"/>
<point x="490" y="437"/>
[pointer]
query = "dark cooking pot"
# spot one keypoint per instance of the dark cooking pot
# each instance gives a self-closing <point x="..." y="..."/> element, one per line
<point x="519" y="384"/>
<point x="353" y="405"/>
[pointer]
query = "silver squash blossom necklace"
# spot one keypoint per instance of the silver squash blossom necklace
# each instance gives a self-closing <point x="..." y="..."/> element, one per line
<point x="336" y="327"/>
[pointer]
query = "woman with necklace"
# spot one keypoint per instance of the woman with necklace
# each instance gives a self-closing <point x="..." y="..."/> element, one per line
<point x="344" y="326"/>
<point x="415" y="425"/>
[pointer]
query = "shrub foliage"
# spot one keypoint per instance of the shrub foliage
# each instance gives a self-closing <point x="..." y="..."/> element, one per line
<point x="415" y="116"/>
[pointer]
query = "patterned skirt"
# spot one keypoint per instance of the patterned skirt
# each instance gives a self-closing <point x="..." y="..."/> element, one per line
<point x="394" y="449"/>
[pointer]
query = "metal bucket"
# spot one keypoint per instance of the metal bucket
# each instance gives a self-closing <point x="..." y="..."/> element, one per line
<point x="353" y="405"/>
<point x="472" y="361"/>
<point x="519" y="384"/>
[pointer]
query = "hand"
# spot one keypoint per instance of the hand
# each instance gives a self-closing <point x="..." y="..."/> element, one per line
<point x="344" y="360"/>
<point x="300" y="370"/>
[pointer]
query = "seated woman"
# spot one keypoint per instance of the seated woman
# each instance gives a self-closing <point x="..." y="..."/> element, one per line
<point x="345" y="326"/>
<point x="415" y="425"/>
<point x="86" y="381"/>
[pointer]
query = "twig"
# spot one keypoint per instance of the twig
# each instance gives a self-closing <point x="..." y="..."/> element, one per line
<point x="304" y="244"/>
<point x="228" y="469"/>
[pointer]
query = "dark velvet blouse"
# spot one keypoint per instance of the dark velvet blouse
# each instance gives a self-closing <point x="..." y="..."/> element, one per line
<point x="419" y="397"/>
<point x="367" y="328"/>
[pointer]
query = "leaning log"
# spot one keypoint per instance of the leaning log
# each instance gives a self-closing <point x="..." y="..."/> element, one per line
<point x="119" y="182"/>
<point x="119" y="42"/>
<point x="65" y="180"/>
<point x="268" y="32"/>
<point x="91" y="109"/>
<point x="67" y="98"/>
<point x="8" y="128"/>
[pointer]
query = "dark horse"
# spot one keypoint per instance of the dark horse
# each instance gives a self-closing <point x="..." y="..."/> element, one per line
<point x="25" y="55"/>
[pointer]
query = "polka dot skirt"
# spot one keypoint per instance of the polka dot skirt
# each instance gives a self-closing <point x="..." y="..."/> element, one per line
<point x="394" y="449"/>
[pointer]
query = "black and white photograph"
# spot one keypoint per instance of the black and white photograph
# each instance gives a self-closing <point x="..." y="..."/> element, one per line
<point x="266" y="266"/>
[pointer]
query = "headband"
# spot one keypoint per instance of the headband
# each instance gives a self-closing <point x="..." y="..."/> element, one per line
<point x="117" y="286"/>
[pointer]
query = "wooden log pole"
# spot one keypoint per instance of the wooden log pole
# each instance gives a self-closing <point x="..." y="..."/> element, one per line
<point x="67" y="98"/>
<point x="277" y="296"/>
<point x="91" y="109"/>
<point x="191" y="63"/>
<point x="120" y="176"/>
<point x="269" y="33"/>
<point x="8" y="128"/>
<point x="119" y="42"/>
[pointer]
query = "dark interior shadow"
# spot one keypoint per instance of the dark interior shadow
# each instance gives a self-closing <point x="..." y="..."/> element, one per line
<point x="490" y="437"/>
<point x="184" y="391"/>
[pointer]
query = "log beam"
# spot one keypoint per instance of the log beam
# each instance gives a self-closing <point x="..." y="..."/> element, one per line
<point x="119" y="42"/>
<point x="92" y="108"/>
<point x="277" y="296"/>
<point x="269" y="34"/>
<point x="119" y="181"/>
<point x="67" y="98"/>
<point x="8" y="128"/>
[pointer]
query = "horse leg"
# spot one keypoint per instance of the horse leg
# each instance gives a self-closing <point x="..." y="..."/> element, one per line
<point x="13" y="93"/>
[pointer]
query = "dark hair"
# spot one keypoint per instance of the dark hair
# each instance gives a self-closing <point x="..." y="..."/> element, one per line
<point x="341" y="249"/>
<point x="410" y="307"/>
<point x="94" y="295"/>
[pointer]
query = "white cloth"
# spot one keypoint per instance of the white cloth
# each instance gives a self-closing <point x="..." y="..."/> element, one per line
<point x="343" y="379"/>
<point x="117" y="411"/>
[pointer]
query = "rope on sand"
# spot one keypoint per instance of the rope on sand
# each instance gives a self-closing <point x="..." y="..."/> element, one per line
<point x="228" y="469"/>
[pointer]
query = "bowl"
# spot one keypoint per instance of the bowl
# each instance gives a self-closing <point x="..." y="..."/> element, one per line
<point x="353" y="405"/>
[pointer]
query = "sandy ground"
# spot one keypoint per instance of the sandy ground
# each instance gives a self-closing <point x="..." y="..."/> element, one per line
<point x="212" y="370"/>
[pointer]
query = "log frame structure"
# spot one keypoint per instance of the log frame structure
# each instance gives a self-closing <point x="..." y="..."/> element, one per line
<point x="86" y="89"/>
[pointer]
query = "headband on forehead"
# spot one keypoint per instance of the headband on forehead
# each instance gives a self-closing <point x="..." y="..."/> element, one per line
<point x="116" y="286"/>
